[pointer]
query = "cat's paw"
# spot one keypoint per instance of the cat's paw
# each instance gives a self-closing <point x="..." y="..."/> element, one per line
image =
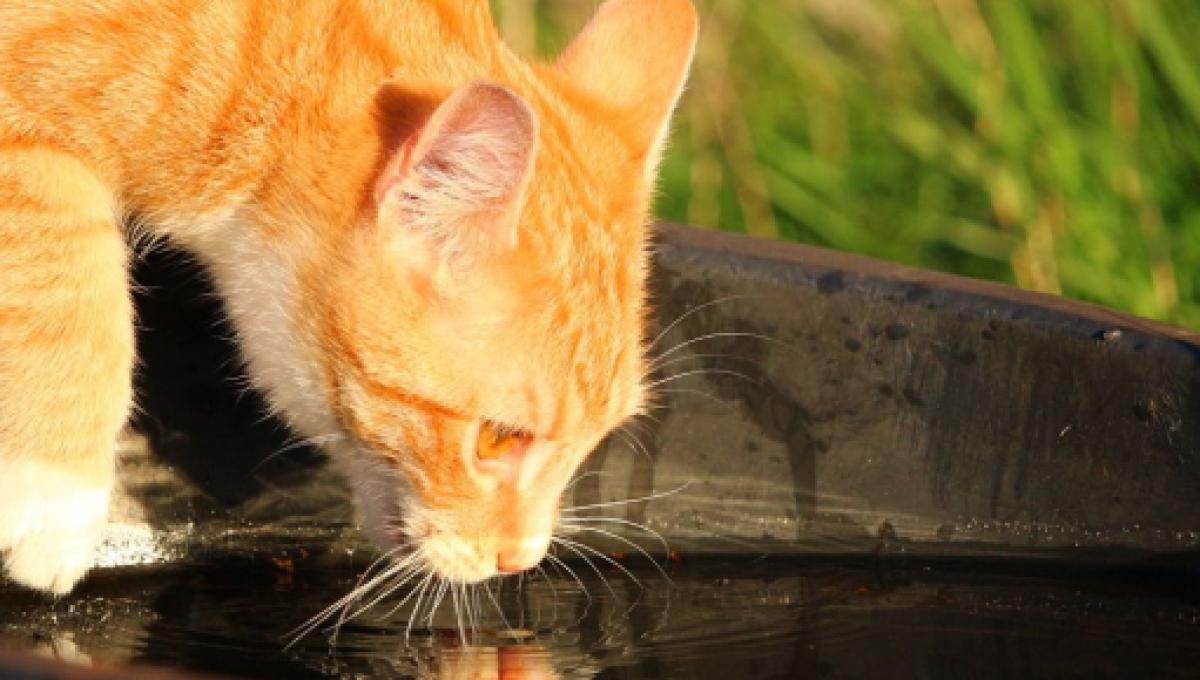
<point x="51" y="521"/>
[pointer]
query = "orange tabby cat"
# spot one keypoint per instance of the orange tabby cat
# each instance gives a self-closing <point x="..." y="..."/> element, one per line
<point x="433" y="252"/>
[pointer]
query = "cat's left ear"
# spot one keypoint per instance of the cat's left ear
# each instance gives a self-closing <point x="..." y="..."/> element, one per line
<point x="457" y="183"/>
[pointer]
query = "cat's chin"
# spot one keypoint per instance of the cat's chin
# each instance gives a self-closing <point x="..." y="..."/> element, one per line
<point x="448" y="558"/>
<point x="455" y="560"/>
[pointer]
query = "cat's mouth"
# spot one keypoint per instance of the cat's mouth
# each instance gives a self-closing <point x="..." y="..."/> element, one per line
<point x="446" y="554"/>
<point x="463" y="557"/>
<point x="456" y="560"/>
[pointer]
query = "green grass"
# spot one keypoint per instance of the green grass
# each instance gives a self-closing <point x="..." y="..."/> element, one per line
<point x="1054" y="144"/>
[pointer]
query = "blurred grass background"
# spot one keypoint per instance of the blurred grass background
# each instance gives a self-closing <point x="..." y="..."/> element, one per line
<point x="1053" y="144"/>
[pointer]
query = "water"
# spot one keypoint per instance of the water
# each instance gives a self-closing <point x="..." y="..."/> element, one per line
<point x="717" y="619"/>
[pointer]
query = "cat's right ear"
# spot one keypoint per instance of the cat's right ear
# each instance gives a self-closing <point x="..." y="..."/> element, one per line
<point x="633" y="57"/>
<point x="456" y="185"/>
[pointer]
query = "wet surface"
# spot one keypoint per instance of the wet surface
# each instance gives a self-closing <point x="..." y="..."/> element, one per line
<point x="721" y="619"/>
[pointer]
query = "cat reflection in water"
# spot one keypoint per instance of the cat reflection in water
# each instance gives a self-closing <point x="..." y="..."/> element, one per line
<point x="522" y="662"/>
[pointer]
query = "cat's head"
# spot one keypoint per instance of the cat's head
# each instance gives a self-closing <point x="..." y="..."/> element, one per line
<point x="488" y="325"/>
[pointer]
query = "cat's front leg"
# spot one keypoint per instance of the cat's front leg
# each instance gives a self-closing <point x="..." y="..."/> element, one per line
<point x="66" y="357"/>
<point x="51" y="521"/>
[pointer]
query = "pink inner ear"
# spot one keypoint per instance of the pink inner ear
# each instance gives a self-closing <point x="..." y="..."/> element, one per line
<point x="461" y="178"/>
<point x="397" y="166"/>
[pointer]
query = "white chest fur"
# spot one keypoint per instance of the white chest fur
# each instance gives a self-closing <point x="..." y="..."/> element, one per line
<point x="258" y="286"/>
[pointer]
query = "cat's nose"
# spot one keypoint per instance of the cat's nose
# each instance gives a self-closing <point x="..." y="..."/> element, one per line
<point x="520" y="555"/>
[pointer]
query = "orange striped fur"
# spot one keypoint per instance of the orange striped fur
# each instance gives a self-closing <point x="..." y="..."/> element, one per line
<point x="416" y="233"/>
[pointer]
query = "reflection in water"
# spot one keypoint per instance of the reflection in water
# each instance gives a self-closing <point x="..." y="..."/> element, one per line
<point x="63" y="648"/>
<point x="530" y="662"/>
<point x="718" y="620"/>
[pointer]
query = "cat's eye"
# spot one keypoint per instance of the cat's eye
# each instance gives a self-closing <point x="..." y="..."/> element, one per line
<point x="497" y="440"/>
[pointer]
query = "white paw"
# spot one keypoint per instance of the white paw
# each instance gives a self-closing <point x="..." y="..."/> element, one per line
<point x="50" y="523"/>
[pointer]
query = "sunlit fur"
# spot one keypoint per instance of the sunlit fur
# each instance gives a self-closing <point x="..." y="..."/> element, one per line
<point x="413" y="230"/>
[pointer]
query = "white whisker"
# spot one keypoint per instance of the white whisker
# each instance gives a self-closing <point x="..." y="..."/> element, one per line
<point x="437" y="601"/>
<point x="478" y="601"/>
<point x="582" y="588"/>
<point x="635" y="444"/>
<point x="699" y="393"/>
<point x="699" y="371"/>
<point x="496" y="604"/>
<point x="396" y="607"/>
<point x="588" y="603"/>
<point x="398" y="572"/>
<point x="580" y="478"/>
<point x="473" y="607"/>
<point x="417" y="606"/>
<point x="576" y="521"/>
<point x="400" y="579"/>
<point x="658" y="366"/>
<point x="375" y="564"/>
<point x="345" y="601"/>
<point x="553" y="595"/>
<point x="297" y="443"/>
<point x="627" y="501"/>
<point x="571" y="545"/>
<point x="690" y="312"/>
<point x="454" y="591"/>
<point x="631" y="544"/>
<point x="717" y="334"/>
<point x="583" y="546"/>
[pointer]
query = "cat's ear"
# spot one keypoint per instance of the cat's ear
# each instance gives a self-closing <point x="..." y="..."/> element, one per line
<point x="458" y="182"/>
<point x="634" y="56"/>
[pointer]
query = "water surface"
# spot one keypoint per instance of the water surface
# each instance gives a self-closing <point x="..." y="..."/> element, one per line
<point x="713" y="619"/>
